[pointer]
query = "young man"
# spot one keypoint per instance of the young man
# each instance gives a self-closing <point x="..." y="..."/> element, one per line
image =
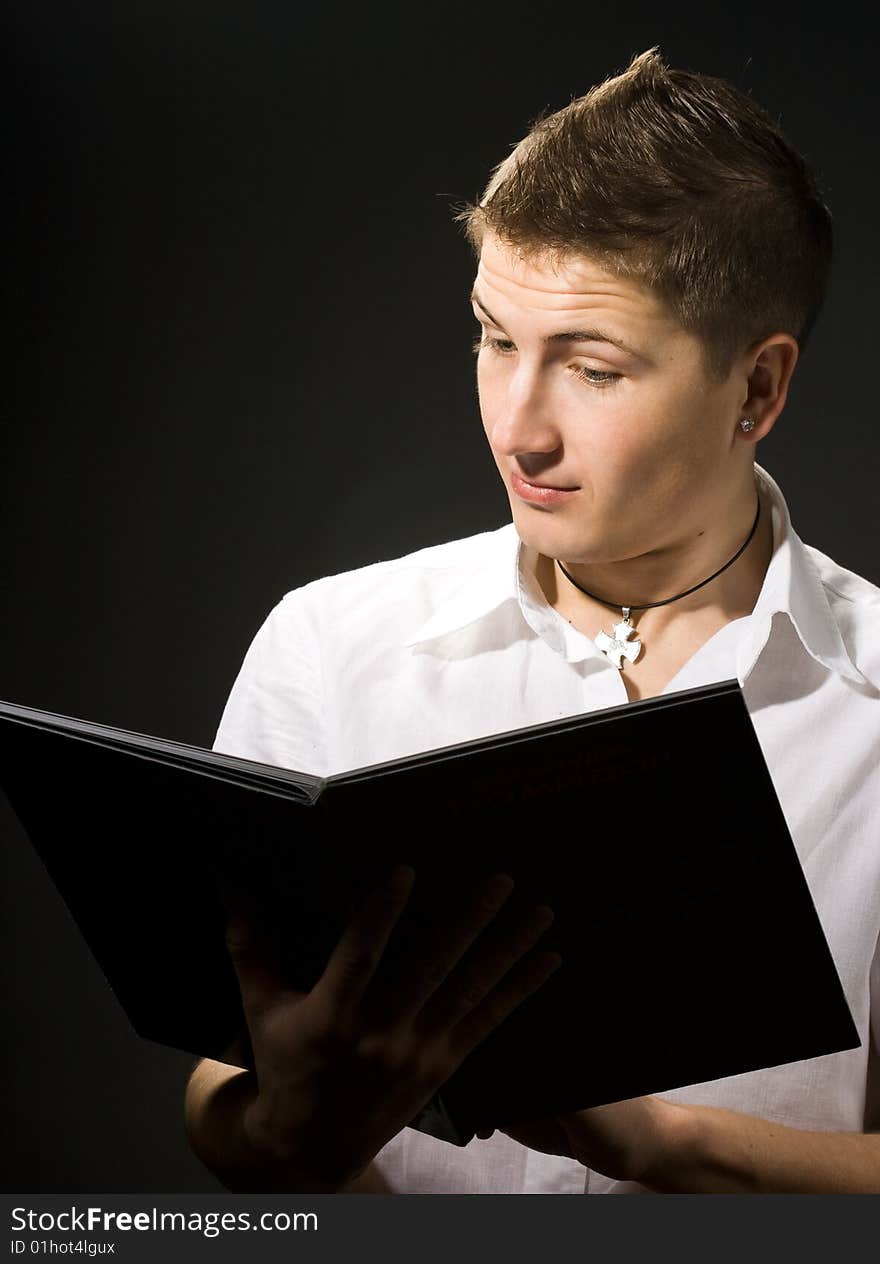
<point x="651" y="261"/>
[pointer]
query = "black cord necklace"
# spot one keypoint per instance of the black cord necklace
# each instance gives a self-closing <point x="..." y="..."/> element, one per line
<point x="617" y="646"/>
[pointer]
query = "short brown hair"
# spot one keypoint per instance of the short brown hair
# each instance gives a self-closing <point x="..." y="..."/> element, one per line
<point x="678" y="180"/>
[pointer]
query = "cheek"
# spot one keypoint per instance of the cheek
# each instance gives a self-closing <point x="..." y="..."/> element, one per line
<point x="630" y="456"/>
<point x="491" y="402"/>
<point x="611" y="436"/>
<point x="484" y="400"/>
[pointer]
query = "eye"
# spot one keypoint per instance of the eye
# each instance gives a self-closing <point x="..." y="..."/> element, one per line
<point x="594" y="377"/>
<point x="500" y="345"/>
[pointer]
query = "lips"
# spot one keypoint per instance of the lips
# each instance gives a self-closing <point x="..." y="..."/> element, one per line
<point x="541" y="495"/>
<point x="553" y="487"/>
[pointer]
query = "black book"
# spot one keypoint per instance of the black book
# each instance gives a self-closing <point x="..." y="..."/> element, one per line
<point x="691" y="948"/>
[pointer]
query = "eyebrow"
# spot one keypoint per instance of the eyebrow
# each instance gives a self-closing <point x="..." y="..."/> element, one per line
<point x="566" y="335"/>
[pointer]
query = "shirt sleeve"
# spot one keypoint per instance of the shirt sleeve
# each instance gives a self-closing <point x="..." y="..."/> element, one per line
<point x="274" y="711"/>
<point x="872" y="1104"/>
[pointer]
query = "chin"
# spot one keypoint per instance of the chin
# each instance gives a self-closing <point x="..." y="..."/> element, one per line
<point x="545" y="532"/>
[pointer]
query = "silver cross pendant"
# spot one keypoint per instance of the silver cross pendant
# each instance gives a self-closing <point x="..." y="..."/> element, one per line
<point x="618" y="646"/>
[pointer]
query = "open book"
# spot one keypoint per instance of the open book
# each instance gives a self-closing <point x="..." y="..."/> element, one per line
<point x="691" y="948"/>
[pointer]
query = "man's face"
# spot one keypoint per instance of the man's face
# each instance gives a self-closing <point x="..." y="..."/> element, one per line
<point x="642" y="436"/>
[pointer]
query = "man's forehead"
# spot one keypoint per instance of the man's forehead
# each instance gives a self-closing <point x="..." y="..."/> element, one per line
<point x="560" y="283"/>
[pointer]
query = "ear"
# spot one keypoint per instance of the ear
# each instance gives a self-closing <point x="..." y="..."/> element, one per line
<point x="770" y="365"/>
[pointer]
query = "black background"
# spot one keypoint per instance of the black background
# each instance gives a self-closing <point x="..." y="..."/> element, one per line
<point x="240" y="359"/>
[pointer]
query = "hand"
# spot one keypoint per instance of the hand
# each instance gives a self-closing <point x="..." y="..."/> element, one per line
<point x="622" y="1140"/>
<point x="341" y="1069"/>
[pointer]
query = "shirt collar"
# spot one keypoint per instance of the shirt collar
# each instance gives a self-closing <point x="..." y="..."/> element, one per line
<point x="792" y="585"/>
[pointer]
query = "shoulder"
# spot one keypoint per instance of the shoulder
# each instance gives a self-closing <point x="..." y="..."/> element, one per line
<point x="460" y="556"/>
<point x="405" y="589"/>
<point x="855" y="604"/>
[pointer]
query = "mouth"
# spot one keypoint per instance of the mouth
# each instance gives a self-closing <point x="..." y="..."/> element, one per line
<point x="550" y="487"/>
<point x="540" y="495"/>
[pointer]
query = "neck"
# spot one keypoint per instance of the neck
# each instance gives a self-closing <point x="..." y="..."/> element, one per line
<point x="662" y="573"/>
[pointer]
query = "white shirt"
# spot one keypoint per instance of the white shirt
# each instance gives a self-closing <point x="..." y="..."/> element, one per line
<point x="457" y="640"/>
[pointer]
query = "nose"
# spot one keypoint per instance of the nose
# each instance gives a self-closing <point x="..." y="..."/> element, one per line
<point x="519" y="418"/>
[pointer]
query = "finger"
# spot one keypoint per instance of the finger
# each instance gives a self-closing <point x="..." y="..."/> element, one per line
<point x="480" y="995"/>
<point x="517" y="986"/>
<point x="359" y="950"/>
<point x="475" y="977"/>
<point x="412" y="993"/>
<point x="254" y="956"/>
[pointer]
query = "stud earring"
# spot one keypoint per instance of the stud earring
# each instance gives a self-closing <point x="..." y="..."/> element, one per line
<point x="747" y="424"/>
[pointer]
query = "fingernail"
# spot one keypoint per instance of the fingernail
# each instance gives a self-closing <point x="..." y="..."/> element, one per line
<point x="500" y="883"/>
<point x="237" y="923"/>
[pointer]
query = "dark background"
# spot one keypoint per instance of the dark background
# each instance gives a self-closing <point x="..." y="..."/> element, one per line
<point x="241" y="360"/>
